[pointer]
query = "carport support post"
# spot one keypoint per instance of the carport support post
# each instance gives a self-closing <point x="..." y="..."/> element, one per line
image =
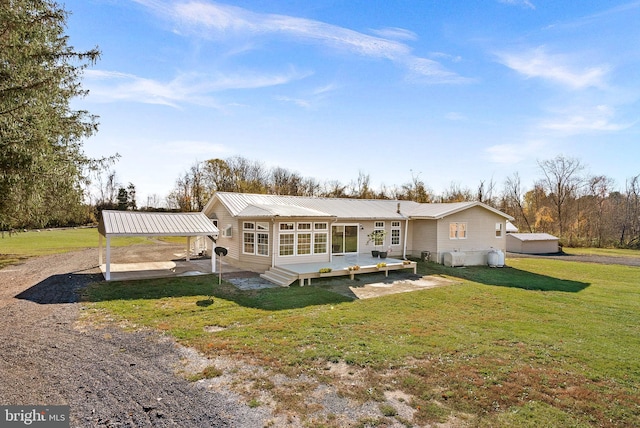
<point x="107" y="271"/>
<point x="99" y="250"/>
<point x="188" y="246"/>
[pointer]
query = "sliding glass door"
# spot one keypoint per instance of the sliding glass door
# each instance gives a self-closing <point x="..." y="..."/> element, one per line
<point x="344" y="238"/>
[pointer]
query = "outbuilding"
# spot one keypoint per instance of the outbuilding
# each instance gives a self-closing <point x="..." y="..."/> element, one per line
<point x="134" y="223"/>
<point x="532" y="243"/>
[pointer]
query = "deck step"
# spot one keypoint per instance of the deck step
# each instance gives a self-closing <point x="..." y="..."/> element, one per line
<point x="278" y="276"/>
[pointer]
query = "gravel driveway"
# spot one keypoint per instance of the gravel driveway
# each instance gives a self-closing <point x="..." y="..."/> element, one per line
<point x="109" y="377"/>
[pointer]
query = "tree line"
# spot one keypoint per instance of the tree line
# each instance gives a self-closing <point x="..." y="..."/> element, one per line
<point x="581" y="209"/>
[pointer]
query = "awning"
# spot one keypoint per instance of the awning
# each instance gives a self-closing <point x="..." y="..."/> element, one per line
<point x="135" y="223"/>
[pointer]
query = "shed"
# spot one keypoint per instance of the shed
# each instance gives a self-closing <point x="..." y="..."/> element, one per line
<point x="134" y="223"/>
<point x="532" y="243"/>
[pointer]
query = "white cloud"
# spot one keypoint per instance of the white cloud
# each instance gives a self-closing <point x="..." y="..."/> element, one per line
<point x="192" y="88"/>
<point x="523" y="3"/>
<point x="585" y="120"/>
<point x="395" y="33"/>
<point x="297" y="101"/>
<point x="432" y="71"/>
<point x="556" y="68"/>
<point x="217" y="21"/>
<point x="514" y="153"/>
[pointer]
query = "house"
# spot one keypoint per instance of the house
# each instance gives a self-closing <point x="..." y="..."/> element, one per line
<point x="532" y="243"/>
<point x="261" y="232"/>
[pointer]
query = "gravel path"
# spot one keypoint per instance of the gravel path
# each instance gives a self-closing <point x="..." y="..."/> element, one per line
<point x="587" y="258"/>
<point x="109" y="377"/>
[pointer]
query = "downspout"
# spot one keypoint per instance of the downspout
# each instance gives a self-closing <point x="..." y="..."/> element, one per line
<point x="406" y="233"/>
<point x="273" y="243"/>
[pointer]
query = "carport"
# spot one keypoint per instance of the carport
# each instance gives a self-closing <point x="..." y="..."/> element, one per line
<point x="134" y="223"/>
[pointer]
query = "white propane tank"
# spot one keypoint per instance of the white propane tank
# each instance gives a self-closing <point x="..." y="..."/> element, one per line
<point x="500" y="258"/>
<point x="492" y="258"/>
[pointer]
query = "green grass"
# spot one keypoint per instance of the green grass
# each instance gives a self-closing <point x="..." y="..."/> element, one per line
<point x="38" y="243"/>
<point x="612" y="252"/>
<point x="541" y="343"/>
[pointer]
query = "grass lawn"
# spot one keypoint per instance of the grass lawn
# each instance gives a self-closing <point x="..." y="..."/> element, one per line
<point x="37" y="243"/>
<point x="612" y="252"/>
<point x="540" y="343"/>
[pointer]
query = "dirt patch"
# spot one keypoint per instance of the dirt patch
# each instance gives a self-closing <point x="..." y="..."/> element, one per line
<point x="377" y="284"/>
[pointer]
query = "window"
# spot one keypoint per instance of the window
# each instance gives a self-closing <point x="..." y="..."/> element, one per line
<point x="395" y="233"/>
<point x="287" y="244"/>
<point x="248" y="246"/>
<point x="302" y="239"/>
<point x="320" y="243"/>
<point x="457" y="230"/>
<point x="498" y="230"/>
<point x="255" y="238"/>
<point x="378" y="239"/>
<point x="263" y="244"/>
<point x="304" y="243"/>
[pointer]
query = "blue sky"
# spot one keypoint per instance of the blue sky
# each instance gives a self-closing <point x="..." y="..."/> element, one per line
<point x="455" y="92"/>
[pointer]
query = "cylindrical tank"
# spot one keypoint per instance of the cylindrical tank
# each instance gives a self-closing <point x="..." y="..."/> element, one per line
<point x="500" y="258"/>
<point x="492" y="258"/>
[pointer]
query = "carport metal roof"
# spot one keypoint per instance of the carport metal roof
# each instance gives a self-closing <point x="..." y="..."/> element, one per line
<point x="135" y="223"/>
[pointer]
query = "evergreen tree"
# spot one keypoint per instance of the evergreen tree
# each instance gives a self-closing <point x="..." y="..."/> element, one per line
<point x="42" y="165"/>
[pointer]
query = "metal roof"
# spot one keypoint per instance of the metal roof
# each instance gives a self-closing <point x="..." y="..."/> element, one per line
<point x="247" y="205"/>
<point x="533" y="237"/>
<point x="260" y="205"/>
<point x="132" y="223"/>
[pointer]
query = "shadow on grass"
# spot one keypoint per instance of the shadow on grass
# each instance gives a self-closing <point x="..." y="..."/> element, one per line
<point x="207" y="288"/>
<point x="509" y="277"/>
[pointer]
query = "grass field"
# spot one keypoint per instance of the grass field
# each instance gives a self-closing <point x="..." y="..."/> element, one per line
<point x="540" y="343"/>
<point x="612" y="252"/>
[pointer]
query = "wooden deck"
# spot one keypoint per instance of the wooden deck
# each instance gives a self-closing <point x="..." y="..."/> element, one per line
<point x="339" y="266"/>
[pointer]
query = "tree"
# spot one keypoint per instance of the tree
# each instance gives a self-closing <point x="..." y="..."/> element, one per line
<point x="415" y="190"/>
<point x="561" y="182"/>
<point x="123" y="199"/>
<point x="455" y="193"/>
<point x="514" y="200"/>
<point x="42" y="166"/>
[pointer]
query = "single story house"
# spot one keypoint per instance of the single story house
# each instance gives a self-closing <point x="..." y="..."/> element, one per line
<point x="532" y="243"/>
<point x="261" y="232"/>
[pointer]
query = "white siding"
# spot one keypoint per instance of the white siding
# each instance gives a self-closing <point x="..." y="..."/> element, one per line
<point x="481" y="235"/>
